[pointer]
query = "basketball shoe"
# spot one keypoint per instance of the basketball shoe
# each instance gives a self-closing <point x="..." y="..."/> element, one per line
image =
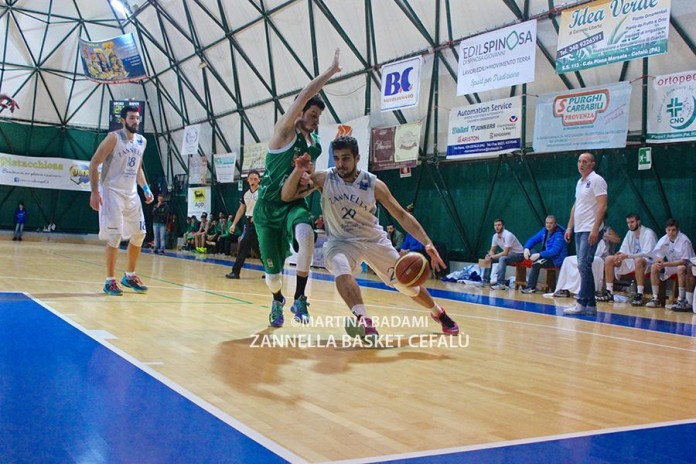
<point x="449" y="327"/>
<point x="134" y="283"/>
<point x="111" y="288"/>
<point x="299" y="309"/>
<point x="275" y="318"/>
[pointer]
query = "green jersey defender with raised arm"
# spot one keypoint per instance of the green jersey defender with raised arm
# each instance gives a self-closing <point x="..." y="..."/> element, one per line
<point x="280" y="225"/>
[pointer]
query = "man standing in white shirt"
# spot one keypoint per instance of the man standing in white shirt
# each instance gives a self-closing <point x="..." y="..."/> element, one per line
<point x="636" y="246"/>
<point x="586" y="219"/>
<point x="672" y="255"/>
<point x="512" y="252"/>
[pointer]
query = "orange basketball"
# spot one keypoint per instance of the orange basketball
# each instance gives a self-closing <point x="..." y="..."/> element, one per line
<point x="412" y="269"/>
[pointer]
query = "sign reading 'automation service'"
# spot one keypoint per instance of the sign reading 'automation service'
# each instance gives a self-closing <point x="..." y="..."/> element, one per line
<point x="611" y="31"/>
<point x="486" y="129"/>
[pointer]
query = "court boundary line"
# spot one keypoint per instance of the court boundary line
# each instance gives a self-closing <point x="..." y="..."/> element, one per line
<point x="523" y="441"/>
<point x="240" y="427"/>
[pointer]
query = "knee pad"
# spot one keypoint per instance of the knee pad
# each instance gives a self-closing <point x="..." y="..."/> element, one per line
<point x="410" y="292"/>
<point x="137" y="238"/>
<point x="304" y="236"/>
<point x="338" y="265"/>
<point x="274" y="282"/>
<point x="114" y="240"/>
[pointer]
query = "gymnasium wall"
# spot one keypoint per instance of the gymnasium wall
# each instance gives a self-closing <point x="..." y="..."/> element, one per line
<point x="69" y="210"/>
<point x="668" y="190"/>
<point x="522" y="191"/>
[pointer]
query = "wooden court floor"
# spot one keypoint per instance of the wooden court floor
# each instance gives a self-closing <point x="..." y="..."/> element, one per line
<point x="513" y="374"/>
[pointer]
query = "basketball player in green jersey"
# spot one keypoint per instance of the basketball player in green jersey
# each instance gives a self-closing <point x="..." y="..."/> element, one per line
<point x="280" y="225"/>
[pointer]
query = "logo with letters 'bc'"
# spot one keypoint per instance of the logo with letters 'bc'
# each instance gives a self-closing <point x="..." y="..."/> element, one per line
<point x="398" y="82"/>
<point x="580" y="108"/>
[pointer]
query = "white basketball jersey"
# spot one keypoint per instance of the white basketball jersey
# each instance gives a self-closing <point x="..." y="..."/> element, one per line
<point x="120" y="170"/>
<point x="349" y="208"/>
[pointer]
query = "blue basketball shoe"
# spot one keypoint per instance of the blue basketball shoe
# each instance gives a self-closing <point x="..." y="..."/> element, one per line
<point x="276" y="319"/>
<point x="111" y="288"/>
<point x="299" y="309"/>
<point x="134" y="283"/>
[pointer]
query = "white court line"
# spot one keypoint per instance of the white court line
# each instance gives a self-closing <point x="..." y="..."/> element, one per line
<point x="223" y="416"/>
<point x="524" y="441"/>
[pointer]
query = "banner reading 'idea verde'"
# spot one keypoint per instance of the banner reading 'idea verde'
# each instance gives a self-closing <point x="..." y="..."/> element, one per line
<point x="611" y="31"/>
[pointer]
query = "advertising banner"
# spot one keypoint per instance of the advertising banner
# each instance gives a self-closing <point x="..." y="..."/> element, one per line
<point x="672" y="114"/>
<point x="254" y="158"/>
<point x="501" y="58"/>
<point x="485" y="129"/>
<point x="115" y="107"/>
<point x="199" y="201"/>
<point x="611" y="31"/>
<point x="583" y="119"/>
<point x="395" y="147"/>
<point x="47" y="173"/>
<point x="112" y="61"/>
<point x="225" y="167"/>
<point x="189" y="143"/>
<point x="401" y="84"/>
<point x="198" y="169"/>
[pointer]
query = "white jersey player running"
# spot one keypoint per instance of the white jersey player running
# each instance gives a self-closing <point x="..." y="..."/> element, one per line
<point x="115" y="197"/>
<point x="349" y="202"/>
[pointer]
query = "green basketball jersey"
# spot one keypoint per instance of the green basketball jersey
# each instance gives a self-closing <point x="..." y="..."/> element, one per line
<point x="279" y="165"/>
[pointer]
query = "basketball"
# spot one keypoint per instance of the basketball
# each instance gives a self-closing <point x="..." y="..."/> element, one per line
<point x="412" y="269"/>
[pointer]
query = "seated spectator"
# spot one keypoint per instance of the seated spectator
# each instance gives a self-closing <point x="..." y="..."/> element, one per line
<point x="569" y="277"/>
<point x="410" y="244"/>
<point x="511" y="252"/>
<point x="319" y="223"/>
<point x="395" y="236"/>
<point x="553" y="250"/>
<point x="671" y="255"/>
<point x="199" y="236"/>
<point x="211" y="237"/>
<point x="636" y="247"/>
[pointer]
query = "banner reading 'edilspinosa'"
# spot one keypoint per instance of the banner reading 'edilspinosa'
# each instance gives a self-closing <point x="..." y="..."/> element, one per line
<point x="583" y="119"/>
<point x="672" y="116"/>
<point x="611" y="31"/>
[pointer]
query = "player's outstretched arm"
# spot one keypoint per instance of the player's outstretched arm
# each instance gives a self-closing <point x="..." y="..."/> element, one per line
<point x="284" y="131"/>
<point x="408" y="222"/>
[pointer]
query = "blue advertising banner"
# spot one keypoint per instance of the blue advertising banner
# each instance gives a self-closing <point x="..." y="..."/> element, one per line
<point x="485" y="129"/>
<point x="583" y="119"/>
<point x="112" y="61"/>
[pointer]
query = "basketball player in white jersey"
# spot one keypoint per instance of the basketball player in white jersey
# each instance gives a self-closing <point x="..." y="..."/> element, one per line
<point x="349" y="203"/>
<point x="115" y="197"/>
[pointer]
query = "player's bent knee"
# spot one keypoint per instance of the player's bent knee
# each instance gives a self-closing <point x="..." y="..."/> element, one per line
<point x="137" y="239"/>
<point x="408" y="291"/>
<point x="274" y="282"/>
<point x="338" y="265"/>
<point x="114" y="240"/>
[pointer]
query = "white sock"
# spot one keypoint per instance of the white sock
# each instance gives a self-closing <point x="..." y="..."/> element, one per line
<point x="110" y="278"/>
<point x="436" y="310"/>
<point x="656" y="291"/>
<point x="641" y="289"/>
<point x="359" y="310"/>
<point x="130" y="274"/>
<point x="682" y="291"/>
<point x="690" y="297"/>
<point x="610" y="288"/>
